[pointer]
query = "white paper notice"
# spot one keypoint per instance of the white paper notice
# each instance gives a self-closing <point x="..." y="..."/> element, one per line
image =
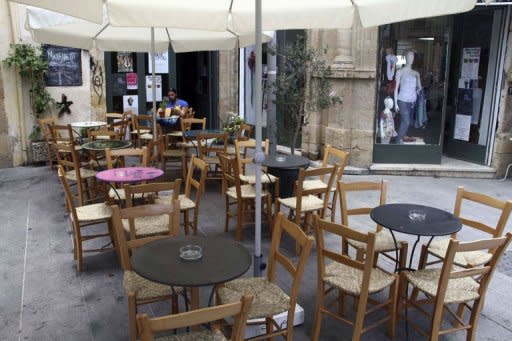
<point x="470" y="62"/>
<point x="149" y="90"/>
<point x="131" y="104"/>
<point x="462" y="127"/>
<point x="161" y="62"/>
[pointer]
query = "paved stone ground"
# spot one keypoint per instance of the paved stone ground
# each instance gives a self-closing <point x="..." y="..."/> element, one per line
<point x="43" y="298"/>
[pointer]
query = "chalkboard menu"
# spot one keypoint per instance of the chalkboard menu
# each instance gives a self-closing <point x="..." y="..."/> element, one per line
<point x="64" y="66"/>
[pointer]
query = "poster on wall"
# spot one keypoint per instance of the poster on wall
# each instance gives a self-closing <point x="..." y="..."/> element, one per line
<point x="118" y="84"/>
<point x="149" y="89"/>
<point x="64" y="66"/>
<point x="131" y="81"/>
<point x="462" y="127"/>
<point x="124" y="62"/>
<point x="470" y="62"/>
<point x="131" y="104"/>
<point x="161" y="62"/>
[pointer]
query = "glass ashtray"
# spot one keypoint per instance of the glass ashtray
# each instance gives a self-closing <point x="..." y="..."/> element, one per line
<point x="417" y="215"/>
<point x="280" y="158"/>
<point x="191" y="252"/>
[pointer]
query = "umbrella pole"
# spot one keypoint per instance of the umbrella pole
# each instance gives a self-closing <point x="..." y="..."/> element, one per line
<point x="260" y="156"/>
<point x="153" y="85"/>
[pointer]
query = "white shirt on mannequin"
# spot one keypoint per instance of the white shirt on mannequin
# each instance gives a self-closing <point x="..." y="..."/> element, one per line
<point x="408" y="82"/>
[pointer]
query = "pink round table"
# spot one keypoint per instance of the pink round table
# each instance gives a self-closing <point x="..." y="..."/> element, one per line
<point x="129" y="174"/>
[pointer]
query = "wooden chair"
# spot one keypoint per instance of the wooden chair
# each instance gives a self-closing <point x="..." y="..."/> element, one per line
<point x="189" y="124"/>
<point x="439" y="247"/>
<point x="190" y="201"/>
<point x="120" y="124"/>
<point x="452" y="284"/>
<point x="142" y="128"/>
<point x="45" y="126"/>
<point x="102" y="134"/>
<point x="384" y="243"/>
<point x="63" y="134"/>
<point x="149" y="193"/>
<point x="238" y="311"/>
<point x="269" y="299"/>
<point x="170" y="151"/>
<point x="209" y="145"/>
<point x="331" y="155"/>
<point x="243" y="196"/>
<point x="83" y="216"/>
<point x="308" y="201"/>
<point x="117" y="157"/>
<point x="245" y="132"/>
<point x="69" y="160"/>
<point x="138" y="289"/>
<point x="354" y="277"/>
<point x="244" y="157"/>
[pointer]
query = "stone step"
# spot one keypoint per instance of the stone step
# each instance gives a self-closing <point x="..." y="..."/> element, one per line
<point x="466" y="170"/>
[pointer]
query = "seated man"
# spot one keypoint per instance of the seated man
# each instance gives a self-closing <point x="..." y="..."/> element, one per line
<point x="178" y="108"/>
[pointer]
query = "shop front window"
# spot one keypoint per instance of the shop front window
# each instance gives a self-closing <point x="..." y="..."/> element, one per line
<point x="412" y="77"/>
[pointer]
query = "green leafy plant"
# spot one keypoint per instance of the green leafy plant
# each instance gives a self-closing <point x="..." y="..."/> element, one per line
<point x="32" y="66"/>
<point x="233" y="123"/>
<point x="302" y="85"/>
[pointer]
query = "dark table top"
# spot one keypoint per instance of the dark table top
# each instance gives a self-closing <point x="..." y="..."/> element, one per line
<point x="287" y="161"/>
<point x="193" y="134"/>
<point x="396" y="218"/>
<point x="222" y="261"/>
<point x="100" y="145"/>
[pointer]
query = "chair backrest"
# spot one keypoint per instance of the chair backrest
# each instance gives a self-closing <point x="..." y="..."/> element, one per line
<point x="45" y="125"/>
<point x="241" y="151"/>
<point x="301" y="192"/>
<point x="343" y="188"/>
<point x="344" y="232"/>
<point x="238" y="310"/>
<point x="112" y="154"/>
<point x="142" y="122"/>
<point x="94" y="134"/>
<point x="125" y="247"/>
<point x="481" y="274"/>
<point x="191" y="181"/>
<point x="68" y="196"/>
<point x="150" y="191"/>
<point x="504" y="208"/>
<point x="230" y="175"/>
<point x="62" y="133"/>
<point x="334" y="155"/>
<point x="210" y="144"/>
<point x="285" y="226"/>
<point x="244" y="132"/>
<point x="187" y="123"/>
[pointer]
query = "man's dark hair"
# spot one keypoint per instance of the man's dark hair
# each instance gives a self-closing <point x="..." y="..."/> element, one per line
<point x="172" y="90"/>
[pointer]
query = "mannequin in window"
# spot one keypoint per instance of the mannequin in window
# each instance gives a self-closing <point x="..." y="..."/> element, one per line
<point x="408" y="85"/>
<point x="386" y="122"/>
<point x="391" y="61"/>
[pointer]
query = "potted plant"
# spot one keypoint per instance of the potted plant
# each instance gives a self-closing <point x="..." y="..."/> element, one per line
<point x="232" y="126"/>
<point x="32" y="66"/>
<point x="162" y="107"/>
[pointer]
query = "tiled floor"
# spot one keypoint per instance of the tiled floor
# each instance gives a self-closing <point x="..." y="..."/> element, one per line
<point x="43" y="298"/>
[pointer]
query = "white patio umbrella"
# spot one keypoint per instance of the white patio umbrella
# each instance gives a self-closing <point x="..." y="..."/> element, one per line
<point x="254" y="16"/>
<point x="49" y="27"/>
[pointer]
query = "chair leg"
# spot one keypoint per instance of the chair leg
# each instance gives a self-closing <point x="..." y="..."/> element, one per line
<point x="341" y="303"/>
<point x="317" y="323"/>
<point x="269" y="213"/>
<point x="174" y="304"/>
<point x="184" y="167"/>
<point x="333" y="207"/>
<point x="473" y="320"/>
<point x="132" y="313"/>
<point x="421" y="265"/>
<point x="226" y="221"/>
<point x="393" y="297"/>
<point x="269" y="327"/>
<point x="239" y="220"/>
<point x="185" y="221"/>
<point x="196" y="218"/>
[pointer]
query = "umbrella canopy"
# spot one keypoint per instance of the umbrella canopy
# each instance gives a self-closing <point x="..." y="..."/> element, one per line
<point x="49" y="27"/>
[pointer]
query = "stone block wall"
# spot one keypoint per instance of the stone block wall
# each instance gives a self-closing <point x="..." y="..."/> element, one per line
<point x="228" y="83"/>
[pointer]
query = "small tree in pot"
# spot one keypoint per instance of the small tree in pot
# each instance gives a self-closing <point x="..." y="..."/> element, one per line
<point x="302" y="86"/>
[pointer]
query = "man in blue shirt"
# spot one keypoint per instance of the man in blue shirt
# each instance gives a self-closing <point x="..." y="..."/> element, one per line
<point x="175" y="103"/>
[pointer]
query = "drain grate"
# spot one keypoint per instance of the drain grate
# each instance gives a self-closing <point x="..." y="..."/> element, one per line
<point x="505" y="264"/>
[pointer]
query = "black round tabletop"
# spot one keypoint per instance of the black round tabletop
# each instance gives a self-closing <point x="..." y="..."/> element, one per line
<point x="222" y="261"/>
<point x="193" y="134"/>
<point x="284" y="161"/>
<point x="396" y="217"/>
<point x="100" y="145"/>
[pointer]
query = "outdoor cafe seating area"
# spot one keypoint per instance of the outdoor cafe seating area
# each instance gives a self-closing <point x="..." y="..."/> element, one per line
<point x="140" y="192"/>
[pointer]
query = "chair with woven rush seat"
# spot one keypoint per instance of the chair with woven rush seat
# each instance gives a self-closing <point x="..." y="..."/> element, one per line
<point x="148" y="193"/>
<point x="142" y="128"/>
<point x="383" y="239"/>
<point x="308" y="201"/>
<point x="331" y="155"/>
<point x="69" y="160"/>
<point x="242" y="149"/>
<point x="209" y="145"/>
<point x="118" y="157"/>
<point x="453" y="284"/>
<point x="45" y="125"/>
<point x="439" y="247"/>
<point x="354" y="277"/>
<point x="270" y="299"/>
<point x="63" y="134"/>
<point x="169" y="151"/>
<point x="138" y="289"/>
<point x="82" y="217"/>
<point x="243" y="196"/>
<point x="237" y="310"/>
<point x="188" y="200"/>
<point x="190" y="124"/>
